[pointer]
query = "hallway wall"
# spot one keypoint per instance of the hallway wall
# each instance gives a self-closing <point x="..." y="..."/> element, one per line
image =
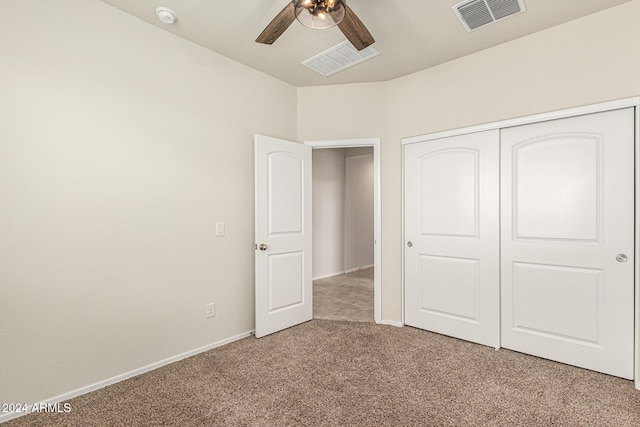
<point x="328" y="212"/>
<point x="358" y="230"/>
<point x="342" y="210"/>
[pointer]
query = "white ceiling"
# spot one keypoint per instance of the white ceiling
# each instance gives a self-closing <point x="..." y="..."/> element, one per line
<point x="410" y="34"/>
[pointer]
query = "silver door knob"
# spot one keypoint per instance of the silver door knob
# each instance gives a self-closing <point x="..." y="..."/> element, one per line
<point x="263" y="247"/>
<point x="621" y="258"/>
<point x="410" y="244"/>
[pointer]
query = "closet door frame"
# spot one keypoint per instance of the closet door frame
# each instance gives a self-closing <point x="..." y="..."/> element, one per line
<point x="560" y="114"/>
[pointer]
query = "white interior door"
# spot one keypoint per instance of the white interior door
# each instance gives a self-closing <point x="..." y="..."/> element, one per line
<point x="568" y="240"/>
<point x="283" y="234"/>
<point x="452" y="236"/>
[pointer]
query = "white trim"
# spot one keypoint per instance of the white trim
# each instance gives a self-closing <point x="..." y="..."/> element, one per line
<point x="130" y="374"/>
<point x="377" y="210"/>
<point x="344" y="143"/>
<point x="402" y="231"/>
<point x="637" y="250"/>
<point x="324" y="276"/>
<point x="391" y="323"/>
<point x="338" y="273"/>
<point x="560" y="114"/>
<point x="362" y="267"/>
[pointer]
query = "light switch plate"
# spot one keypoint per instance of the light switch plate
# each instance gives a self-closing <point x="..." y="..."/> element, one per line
<point x="219" y="228"/>
<point x="211" y="309"/>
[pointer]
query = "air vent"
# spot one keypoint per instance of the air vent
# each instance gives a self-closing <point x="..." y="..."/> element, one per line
<point x="338" y="58"/>
<point x="478" y="13"/>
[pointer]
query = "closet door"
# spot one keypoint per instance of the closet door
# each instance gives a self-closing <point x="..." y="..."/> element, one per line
<point x="568" y="240"/>
<point x="452" y="236"/>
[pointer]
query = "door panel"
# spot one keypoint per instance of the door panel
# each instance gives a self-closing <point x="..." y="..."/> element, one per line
<point x="450" y="287"/>
<point x="284" y="181"/>
<point x="559" y="179"/>
<point x="567" y="212"/>
<point x="286" y="281"/>
<point x="571" y="299"/>
<point x="283" y="234"/>
<point x="448" y="194"/>
<point x="451" y="233"/>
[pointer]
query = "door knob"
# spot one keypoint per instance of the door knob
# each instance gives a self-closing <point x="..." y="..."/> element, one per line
<point x="263" y="247"/>
<point x="410" y="244"/>
<point x="621" y="258"/>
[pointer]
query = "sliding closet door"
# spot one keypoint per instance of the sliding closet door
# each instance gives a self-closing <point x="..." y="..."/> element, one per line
<point x="568" y="240"/>
<point x="452" y="236"/>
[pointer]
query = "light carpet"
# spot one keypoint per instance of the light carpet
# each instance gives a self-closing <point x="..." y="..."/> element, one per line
<point x="334" y="373"/>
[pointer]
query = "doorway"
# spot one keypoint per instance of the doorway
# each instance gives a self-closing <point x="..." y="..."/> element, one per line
<point x="343" y="234"/>
<point x="345" y="256"/>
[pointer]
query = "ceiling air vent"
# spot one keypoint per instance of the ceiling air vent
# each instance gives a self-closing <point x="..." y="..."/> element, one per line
<point x="478" y="13"/>
<point x="338" y="58"/>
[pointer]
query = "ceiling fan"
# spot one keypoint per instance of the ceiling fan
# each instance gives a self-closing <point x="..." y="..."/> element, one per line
<point x="319" y="14"/>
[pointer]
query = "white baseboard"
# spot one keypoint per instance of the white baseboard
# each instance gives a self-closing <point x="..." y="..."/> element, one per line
<point x="101" y="384"/>
<point x="324" y="276"/>
<point x="362" y="267"/>
<point x="337" y="273"/>
<point x="392" y="323"/>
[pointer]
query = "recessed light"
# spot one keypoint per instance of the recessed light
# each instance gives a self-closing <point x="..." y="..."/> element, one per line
<point x="166" y="15"/>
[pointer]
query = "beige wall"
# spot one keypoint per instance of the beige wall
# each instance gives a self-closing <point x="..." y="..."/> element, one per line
<point x="328" y="212"/>
<point x="358" y="208"/>
<point x="121" y="145"/>
<point x="586" y="61"/>
<point x="358" y="111"/>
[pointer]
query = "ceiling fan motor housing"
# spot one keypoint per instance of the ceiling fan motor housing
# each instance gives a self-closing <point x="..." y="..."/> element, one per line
<point x="320" y="14"/>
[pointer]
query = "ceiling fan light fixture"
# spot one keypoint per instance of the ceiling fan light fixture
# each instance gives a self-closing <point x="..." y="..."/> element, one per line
<point x="320" y="14"/>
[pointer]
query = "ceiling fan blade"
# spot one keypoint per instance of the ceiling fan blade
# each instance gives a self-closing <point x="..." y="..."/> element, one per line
<point x="355" y="31"/>
<point x="278" y="25"/>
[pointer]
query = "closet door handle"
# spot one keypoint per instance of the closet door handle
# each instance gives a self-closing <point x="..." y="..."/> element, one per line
<point x="621" y="258"/>
<point x="410" y="244"/>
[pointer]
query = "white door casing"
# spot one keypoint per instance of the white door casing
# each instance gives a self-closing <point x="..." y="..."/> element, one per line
<point x="377" y="214"/>
<point x="283" y="281"/>
<point x="567" y="212"/>
<point x="452" y="236"/>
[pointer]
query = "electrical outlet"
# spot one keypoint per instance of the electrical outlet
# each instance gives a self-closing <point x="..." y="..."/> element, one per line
<point x="211" y="309"/>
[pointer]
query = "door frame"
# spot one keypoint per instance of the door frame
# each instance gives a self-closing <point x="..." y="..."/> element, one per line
<point x="553" y="115"/>
<point x="377" y="209"/>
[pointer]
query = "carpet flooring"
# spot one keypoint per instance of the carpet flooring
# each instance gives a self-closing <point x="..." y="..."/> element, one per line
<point x="334" y="373"/>
<point x="344" y="297"/>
